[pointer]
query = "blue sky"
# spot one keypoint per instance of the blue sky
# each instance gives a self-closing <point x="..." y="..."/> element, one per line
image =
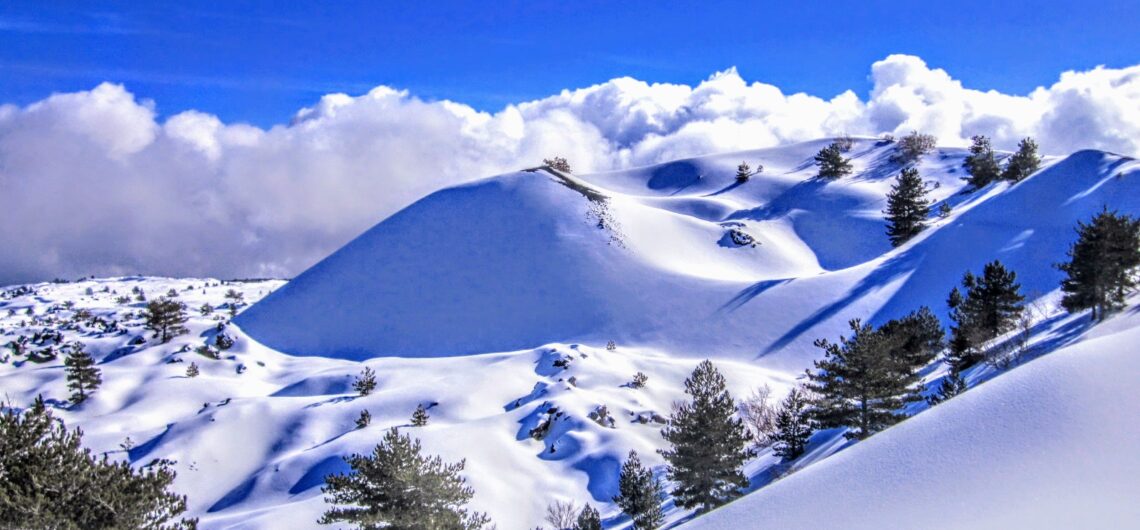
<point x="261" y="61"/>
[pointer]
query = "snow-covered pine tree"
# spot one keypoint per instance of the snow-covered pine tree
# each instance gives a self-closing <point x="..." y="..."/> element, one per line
<point x="862" y="382"/>
<point x="398" y="487"/>
<point x="166" y="318"/>
<point x="917" y="338"/>
<point x="709" y="445"/>
<point x="990" y="307"/>
<point x="192" y="370"/>
<point x="83" y="378"/>
<point x="1024" y="162"/>
<point x="420" y="416"/>
<point x="1102" y="264"/>
<point x="831" y="162"/>
<point x="793" y="426"/>
<point x="907" y="207"/>
<point x="639" y="494"/>
<point x="365" y="383"/>
<point x="588" y="519"/>
<point x="981" y="164"/>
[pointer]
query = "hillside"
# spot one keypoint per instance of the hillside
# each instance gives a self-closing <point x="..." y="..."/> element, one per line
<point x="1052" y="444"/>
<point x="492" y="304"/>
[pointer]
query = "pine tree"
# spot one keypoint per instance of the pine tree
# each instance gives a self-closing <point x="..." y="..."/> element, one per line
<point x="420" y="416"/>
<point x="907" y="207"/>
<point x="831" y="163"/>
<point x="981" y="164"/>
<point x="709" y="445"/>
<point x="917" y="338"/>
<point x="744" y="172"/>
<point x="863" y="381"/>
<point x="639" y="494"/>
<point x="793" y="426"/>
<point x="397" y="487"/>
<point x="365" y="382"/>
<point x="83" y="378"/>
<point x="1024" y="162"/>
<point x="364" y="419"/>
<point x="50" y="481"/>
<point x="952" y="385"/>
<point x="588" y="519"/>
<point x="990" y="307"/>
<point x="192" y="370"/>
<point x="167" y="318"/>
<point x="1102" y="264"/>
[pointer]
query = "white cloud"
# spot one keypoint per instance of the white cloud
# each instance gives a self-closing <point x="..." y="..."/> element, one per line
<point x="92" y="183"/>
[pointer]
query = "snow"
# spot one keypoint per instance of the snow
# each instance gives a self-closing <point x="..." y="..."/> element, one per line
<point x="464" y="301"/>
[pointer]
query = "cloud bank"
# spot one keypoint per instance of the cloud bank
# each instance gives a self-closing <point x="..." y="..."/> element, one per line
<point x="92" y="183"/>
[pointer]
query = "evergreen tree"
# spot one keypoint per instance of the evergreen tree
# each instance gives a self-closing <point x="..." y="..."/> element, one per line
<point x="1024" y="162"/>
<point x="981" y="164"/>
<point x="167" y="318"/>
<point x="192" y="370"/>
<point x="639" y="494"/>
<point x="831" y="163"/>
<point x="793" y="426"/>
<point x="398" y="487"/>
<point x="907" y="207"/>
<point x="364" y="419"/>
<point x="952" y="385"/>
<point x="863" y="381"/>
<point x="708" y="445"/>
<point x="48" y="480"/>
<point x="1102" y="264"/>
<point x="365" y="382"/>
<point x="916" y="338"/>
<point x="744" y="172"/>
<point x="588" y="519"/>
<point x="83" y="378"/>
<point x="989" y="308"/>
<point x="420" y="416"/>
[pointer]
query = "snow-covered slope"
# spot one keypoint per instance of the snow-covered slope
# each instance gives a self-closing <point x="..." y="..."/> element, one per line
<point x="465" y="301"/>
<point x="1052" y="444"/>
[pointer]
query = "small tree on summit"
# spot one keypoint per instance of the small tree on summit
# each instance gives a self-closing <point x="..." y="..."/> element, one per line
<point x="981" y="164"/>
<point x="558" y="163"/>
<point x="912" y="146"/>
<point x="709" y="445"/>
<point x="907" y="207"/>
<point x="167" y="318"/>
<point x="1024" y="162"/>
<point x="831" y="162"/>
<point x="82" y="375"/>
<point x="1102" y="264"/>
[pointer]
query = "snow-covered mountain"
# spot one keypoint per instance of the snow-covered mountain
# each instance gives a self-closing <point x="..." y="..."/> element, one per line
<point x="492" y="304"/>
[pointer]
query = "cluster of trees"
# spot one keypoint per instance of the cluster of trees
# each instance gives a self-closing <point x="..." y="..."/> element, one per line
<point x="983" y="166"/>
